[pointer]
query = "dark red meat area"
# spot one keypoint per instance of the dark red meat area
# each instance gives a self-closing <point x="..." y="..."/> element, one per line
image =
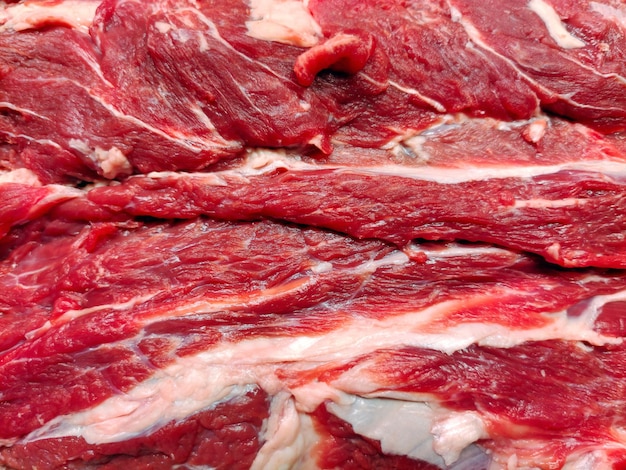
<point x="499" y="74"/>
<point x="20" y="203"/>
<point x="399" y="209"/>
<point x="103" y="289"/>
<point x="263" y="273"/>
<point x="86" y="113"/>
<point x="583" y="83"/>
<point x="427" y="53"/>
<point x="382" y="69"/>
<point x="226" y="436"/>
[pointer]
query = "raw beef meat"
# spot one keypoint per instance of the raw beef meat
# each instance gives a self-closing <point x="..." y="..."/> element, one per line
<point x="209" y="311"/>
<point x="24" y="198"/>
<point x="543" y="201"/>
<point x="173" y="106"/>
<point x="324" y="234"/>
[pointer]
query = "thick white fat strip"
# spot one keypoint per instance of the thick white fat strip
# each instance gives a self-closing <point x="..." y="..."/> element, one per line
<point x="532" y="455"/>
<point x="579" y="328"/>
<point x="265" y="161"/>
<point x="363" y="331"/>
<point x="596" y="458"/>
<point x="612" y="13"/>
<point x="554" y="25"/>
<point x="21" y="176"/>
<point x="78" y="14"/>
<point x="401" y="427"/>
<point x="149" y="406"/>
<point x="193" y="383"/>
<point x="288" y="436"/>
<point x="190" y="385"/>
<point x="455" y="431"/>
<point x="549" y="204"/>
<point x="284" y="21"/>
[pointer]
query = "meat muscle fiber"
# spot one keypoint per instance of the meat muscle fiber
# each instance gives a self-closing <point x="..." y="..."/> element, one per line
<point x="275" y="234"/>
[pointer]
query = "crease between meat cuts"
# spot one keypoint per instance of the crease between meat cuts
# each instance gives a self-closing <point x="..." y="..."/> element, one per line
<point x="276" y="234"/>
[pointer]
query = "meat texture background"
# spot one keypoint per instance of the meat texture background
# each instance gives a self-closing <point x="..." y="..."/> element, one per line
<point x="325" y="234"/>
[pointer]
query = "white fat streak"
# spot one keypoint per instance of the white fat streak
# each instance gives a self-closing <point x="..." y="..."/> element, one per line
<point x="213" y="31"/>
<point x="151" y="405"/>
<point x="211" y="179"/>
<point x="77" y="14"/>
<point x="201" y="115"/>
<point x="396" y="258"/>
<point x="284" y="21"/>
<point x="30" y="112"/>
<point x="362" y="334"/>
<point x="416" y="146"/>
<point x="163" y="27"/>
<point x="477" y="39"/>
<point x="454" y="250"/>
<point x="287" y="436"/>
<point x="401" y="427"/>
<point x="597" y="458"/>
<point x="590" y="457"/>
<point x="322" y="267"/>
<point x="377" y="83"/>
<point x="554" y="25"/>
<point x="94" y="65"/>
<point x="311" y="395"/>
<point x="549" y="203"/>
<point x="20" y="176"/>
<point x="412" y="91"/>
<point x="73" y="314"/>
<point x="59" y="192"/>
<point x="588" y="317"/>
<point x="190" y="142"/>
<point x="196" y="382"/>
<point x="317" y="270"/>
<point x="610" y="12"/>
<point x="265" y="161"/>
<point x="248" y="299"/>
<point x="46" y="142"/>
<point x="455" y="431"/>
<point x="563" y="326"/>
<point x="455" y="14"/>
